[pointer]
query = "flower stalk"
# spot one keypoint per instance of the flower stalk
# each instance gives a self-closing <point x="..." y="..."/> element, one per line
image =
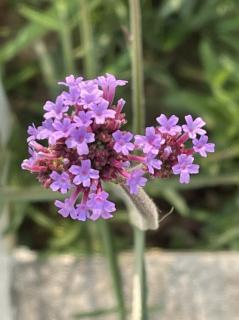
<point x="139" y="305"/>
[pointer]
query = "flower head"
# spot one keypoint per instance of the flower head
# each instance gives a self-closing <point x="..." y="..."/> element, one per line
<point x="86" y="146"/>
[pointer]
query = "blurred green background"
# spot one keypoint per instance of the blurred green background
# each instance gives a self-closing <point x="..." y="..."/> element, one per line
<point x="191" y="65"/>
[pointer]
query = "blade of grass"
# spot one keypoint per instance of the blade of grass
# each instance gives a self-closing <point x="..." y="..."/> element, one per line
<point x="176" y="200"/>
<point x="47" y="66"/>
<point x="139" y="305"/>
<point x="32" y="194"/>
<point x="196" y="183"/>
<point x="25" y="37"/>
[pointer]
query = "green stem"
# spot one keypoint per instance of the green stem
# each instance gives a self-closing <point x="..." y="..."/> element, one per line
<point x="137" y="67"/>
<point x="87" y="40"/>
<point x="89" y="64"/>
<point x="113" y="266"/>
<point x="65" y="35"/>
<point x="139" y="307"/>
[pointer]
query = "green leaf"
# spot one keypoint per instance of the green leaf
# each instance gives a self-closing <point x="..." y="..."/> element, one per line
<point x="45" y="19"/>
<point x="31" y="194"/>
<point x="173" y="197"/>
<point x="16" y="217"/>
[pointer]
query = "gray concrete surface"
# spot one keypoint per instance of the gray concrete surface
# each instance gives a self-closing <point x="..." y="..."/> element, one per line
<point x="182" y="286"/>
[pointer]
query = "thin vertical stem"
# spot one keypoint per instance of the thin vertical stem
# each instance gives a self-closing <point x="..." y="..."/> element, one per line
<point x="137" y="67"/>
<point x="87" y="40"/>
<point x="113" y="264"/>
<point x="139" y="306"/>
<point x="65" y="35"/>
<point x="89" y="64"/>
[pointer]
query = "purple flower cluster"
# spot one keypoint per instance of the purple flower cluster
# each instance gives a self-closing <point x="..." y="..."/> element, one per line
<point x="165" y="151"/>
<point x="87" y="146"/>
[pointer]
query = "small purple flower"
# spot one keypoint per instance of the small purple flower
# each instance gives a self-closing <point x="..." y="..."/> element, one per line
<point x="46" y="131"/>
<point x="122" y="142"/>
<point x="90" y="93"/>
<point x="61" y="182"/>
<point x="84" y="173"/>
<point x="33" y="132"/>
<point x="151" y="142"/>
<point x="152" y="163"/>
<point x="108" y="84"/>
<point x="63" y="128"/>
<point x="169" y="125"/>
<point x="82" y="212"/>
<point x="83" y="119"/>
<point x="27" y="164"/>
<point x="72" y="97"/>
<point x="120" y="105"/>
<point x="193" y="127"/>
<point x="71" y="81"/>
<point x="136" y="180"/>
<point x="100" y="112"/>
<point x="66" y="208"/>
<point x="55" y="110"/>
<point x="100" y="206"/>
<point x="202" y="147"/>
<point x="185" y="167"/>
<point x="79" y="139"/>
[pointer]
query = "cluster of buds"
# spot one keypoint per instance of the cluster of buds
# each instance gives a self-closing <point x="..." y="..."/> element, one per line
<point x="87" y="146"/>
